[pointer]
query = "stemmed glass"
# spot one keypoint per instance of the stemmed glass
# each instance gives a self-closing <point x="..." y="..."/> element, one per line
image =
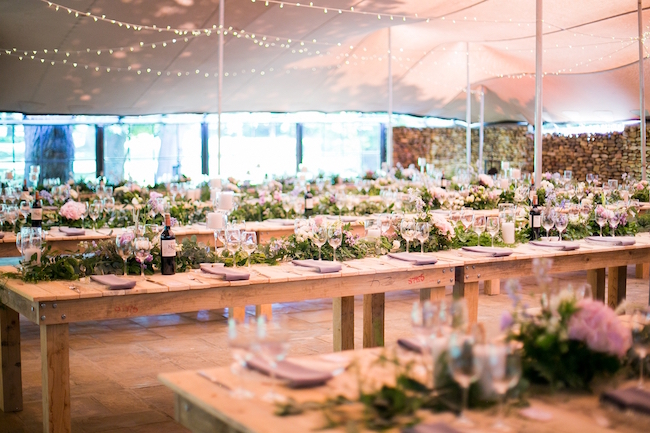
<point x="548" y="221"/>
<point x="109" y="206"/>
<point x="238" y="223"/>
<point x="422" y="233"/>
<point x="249" y="245"/>
<point x="94" y="211"/>
<point x="574" y="213"/>
<point x="407" y="228"/>
<point x="601" y="217"/>
<point x="613" y="219"/>
<point x="319" y="236"/>
<point x="84" y="213"/>
<point x="561" y="221"/>
<point x="272" y="345"/>
<point x="219" y="236"/>
<point x="640" y="322"/>
<point x="454" y="217"/>
<point x="233" y="242"/>
<point x="464" y="365"/>
<point x="585" y="211"/>
<point x="241" y="340"/>
<point x="335" y="238"/>
<point x="479" y="223"/>
<point x="505" y="370"/>
<point x="466" y="217"/>
<point x="492" y="226"/>
<point x="142" y="247"/>
<point x="384" y="223"/>
<point x="25" y="209"/>
<point x="589" y="178"/>
<point x="11" y="215"/>
<point x="425" y="323"/>
<point x="124" y="243"/>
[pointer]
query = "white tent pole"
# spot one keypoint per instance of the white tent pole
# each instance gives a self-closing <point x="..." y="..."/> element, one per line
<point x="538" y="93"/>
<point x="481" y="130"/>
<point x="389" y="129"/>
<point x="221" y="28"/>
<point x="642" y="127"/>
<point x="468" y="116"/>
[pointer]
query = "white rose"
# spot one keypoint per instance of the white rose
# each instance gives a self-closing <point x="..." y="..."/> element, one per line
<point x="135" y="201"/>
<point x="396" y="245"/>
<point x="74" y="194"/>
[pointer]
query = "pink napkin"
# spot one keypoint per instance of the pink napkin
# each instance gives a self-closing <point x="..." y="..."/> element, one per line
<point x="416" y="259"/>
<point x="613" y="241"/>
<point x="324" y="267"/>
<point x="69" y="231"/>
<point x="113" y="282"/>
<point x="632" y="398"/>
<point x="228" y="274"/>
<point x="297" y="375"/>
<point x="489" y="251"/>
<point x="562" y="246"/>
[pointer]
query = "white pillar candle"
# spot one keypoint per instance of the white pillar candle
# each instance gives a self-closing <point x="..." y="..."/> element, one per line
<point x="226" y="200"/>
<point x="29" y="252"/>
<point x="515" y="174"/>
<point x="215" y="221"/>
<point x="508" y="232"/>
<point x="374" y="233"/>
<point x="504" y="183"/>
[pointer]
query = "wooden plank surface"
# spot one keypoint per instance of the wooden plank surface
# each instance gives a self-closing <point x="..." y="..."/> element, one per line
<point x="11" y="387"/>
<point x="55" y="372"/>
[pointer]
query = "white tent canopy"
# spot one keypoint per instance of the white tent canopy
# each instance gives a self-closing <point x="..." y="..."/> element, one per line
<point x="335" y="61"/>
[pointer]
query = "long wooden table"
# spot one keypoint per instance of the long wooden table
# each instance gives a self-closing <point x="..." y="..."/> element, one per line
<point x="205" y="406"/>
<point x="54" y="305"/>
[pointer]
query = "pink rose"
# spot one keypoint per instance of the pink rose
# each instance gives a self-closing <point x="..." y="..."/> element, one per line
<point x="599" y="327"/>
<point x="154" y="195"/>
<point x="72" y="210"/>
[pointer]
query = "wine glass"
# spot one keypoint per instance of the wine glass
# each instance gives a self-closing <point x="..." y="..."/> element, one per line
<point x="425" y="323"/>
<point x="109" y="206"/>
<point x="318" y="235"/>
<point x="640" y="322"/>
<point x="505" y="370"/>
<point x="142" y="247"/>
<point x="601" y="217"/>
<point x="561" y="221"/>
<point x="335" y="238"/>
<point x="492" y="226"/>
<point x="574" y="213"/>
<point x="422" y="233"/>
<point x="241" y="341"/>
<point x="454" y="217"/>
<point x="548" y="221"/>
<point x="248" y="245"/>
<point x="11" y="215"/>
<point x="458" y="314"/>
<point x="124" y="243"/>
<point x="589" y="178"/>
<point x="407" y="228"/>
<point x="585" y="211"/>
<point x="464" y="365"/>
<point x="25" y="209"/>
<point x="613" y="218"/>
<point x="237" y="223"/>
<point x="384" y="223"/>
<point x="567" y="176"/>
<point x="152" y="231"/>
<point x="466" y="217"/>
<point x="479" y="223"/>
<point x="233" y="242"/>
<point x="84" y="213"/>
<point x="272" y="345"/>
<point x="94" y="211"/>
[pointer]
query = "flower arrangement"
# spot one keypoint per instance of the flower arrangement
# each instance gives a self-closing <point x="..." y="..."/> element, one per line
<point x="72" y="210"/>
<point x="572" y="340"/>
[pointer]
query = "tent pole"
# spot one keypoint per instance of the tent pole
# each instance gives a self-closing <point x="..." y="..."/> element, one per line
<point x="389" y="129"/>
<point x="642" y="127"/>
<point x="221" y="28"/>
<point x="538" y="93"/>
<point x="481" y="130"/>
<point x="468" y="116"/>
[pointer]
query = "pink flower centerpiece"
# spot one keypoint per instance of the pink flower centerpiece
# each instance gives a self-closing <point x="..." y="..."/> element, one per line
<point x="72" y="210"/>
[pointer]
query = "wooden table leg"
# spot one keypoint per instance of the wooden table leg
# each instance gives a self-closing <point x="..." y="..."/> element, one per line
<point x="596" y="279"/>
<point x="373" y="320"/>
<point x="55" y="362"/>
<point x="11" y="387"/>
<point x="237" y="313"/>
<point x="616" y="285"/>
<point x="264" y="310"/>
<point x="642" y="271"/>
<point x="343" y="325"/>
<point x="433" y="294"/>
<point x="492" y="287"/>
<point x="469" y="291"/>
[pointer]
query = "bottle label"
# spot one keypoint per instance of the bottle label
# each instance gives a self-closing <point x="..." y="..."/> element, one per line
<point x="37" y="214"/>
<point x="309" y="203"/>
<point x="537" y="221"/>
<point x="168" y="248"/>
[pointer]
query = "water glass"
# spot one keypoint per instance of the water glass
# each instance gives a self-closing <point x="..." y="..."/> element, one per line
<point x="548" y="221"/>
<point x="94" y="211"/>
<point x="142" y="246"/>
<point x="335" y="238"/>
<point x="492" y="226"/>
<point x="422" y="230"/>
<point x="407" y="228"/>
<point x="233" y="243"/>
<point x="466" y="217"/>
<point x="124" y="244"/>
<point x="561" y="220"/>
<point x="601" y="215"/>
<point x="249" y="244"/>
<point x="319" y="235"/>
<point x="479" y="224"/>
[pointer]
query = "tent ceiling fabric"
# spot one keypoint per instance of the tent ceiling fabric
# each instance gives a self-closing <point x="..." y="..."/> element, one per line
<point x="590" y="57"/>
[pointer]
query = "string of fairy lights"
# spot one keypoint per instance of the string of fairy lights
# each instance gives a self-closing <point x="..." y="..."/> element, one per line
<point x="292" y="45"/>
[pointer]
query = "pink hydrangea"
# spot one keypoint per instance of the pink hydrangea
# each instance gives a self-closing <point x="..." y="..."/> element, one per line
<point x="72" y="210"/>
<point x="154" y="195"/>
<point x="599" y="327"/>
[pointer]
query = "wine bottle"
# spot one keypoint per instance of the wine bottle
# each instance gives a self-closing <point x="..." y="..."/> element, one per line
<point x="24" y="195"/>
<point x="37" y="211"/>
<point x="309" y="202"/>
<point x="535" y="219"/>
<point x="443" y="181"/>
<point x="167" y="249"/>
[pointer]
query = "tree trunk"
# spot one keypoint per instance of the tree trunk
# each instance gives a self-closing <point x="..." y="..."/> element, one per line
<point x="52" y="148"/>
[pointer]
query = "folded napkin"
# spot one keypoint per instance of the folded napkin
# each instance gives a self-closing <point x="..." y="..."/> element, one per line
<point x="633" y="398"/>
<point x="411" y="344"/>
<point x="416" y="259"/>
<point x="323" y="267"/>
<point x="69" y="231"/>
<point x="618" y="241"/>
<point x="562" y="246"/>
<point x="228" y="274"/>
<point x="439" y="427"/>
<point x="489" y="251"/>
<point x="297" y="375"/>
<point x="113" y="282"/>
